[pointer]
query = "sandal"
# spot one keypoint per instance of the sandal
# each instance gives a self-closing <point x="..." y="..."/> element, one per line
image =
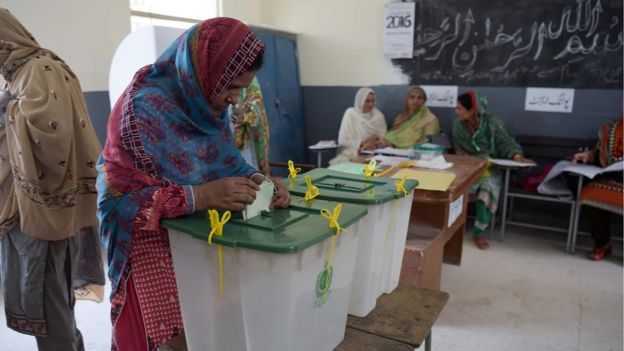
<point x="599" y="253"/>
<point x="481" y="242"/>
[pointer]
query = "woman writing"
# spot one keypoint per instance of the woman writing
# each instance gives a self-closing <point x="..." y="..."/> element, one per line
<point x="604" y="193"/>
<point x="478" y="133"/>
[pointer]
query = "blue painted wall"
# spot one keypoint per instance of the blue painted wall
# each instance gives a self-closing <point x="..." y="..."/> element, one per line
<point x="324" y="106"/>
<point x="99" y="109"/>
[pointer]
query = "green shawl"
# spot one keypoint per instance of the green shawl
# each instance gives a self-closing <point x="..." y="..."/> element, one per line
<point x="483" y="135"/>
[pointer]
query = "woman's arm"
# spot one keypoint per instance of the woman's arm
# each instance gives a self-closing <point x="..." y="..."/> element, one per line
<point x="588" y="157"/>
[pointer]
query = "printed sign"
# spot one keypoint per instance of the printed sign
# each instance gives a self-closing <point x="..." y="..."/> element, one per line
<point x="399" y="30"/>
<point x="549" y="100"/>
<point x="441" y="95"/>
<point x="455" y="210"/>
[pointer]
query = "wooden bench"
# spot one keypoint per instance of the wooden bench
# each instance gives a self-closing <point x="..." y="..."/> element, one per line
<point x="356" y="340"/>
<point x="403" y="318"/>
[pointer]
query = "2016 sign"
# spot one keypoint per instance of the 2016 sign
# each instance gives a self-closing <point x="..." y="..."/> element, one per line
<point x="399" y="30"/>
<point x="398" y="21"/>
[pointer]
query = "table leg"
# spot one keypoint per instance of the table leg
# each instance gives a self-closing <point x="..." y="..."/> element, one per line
<point x="504" y="215"/>
<point x="428" y="342"/>
<point x="318" y="159"/>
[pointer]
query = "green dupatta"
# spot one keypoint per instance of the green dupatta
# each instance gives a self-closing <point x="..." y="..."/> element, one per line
<point x="413" y="131"/>
<point x="483" y="135"/>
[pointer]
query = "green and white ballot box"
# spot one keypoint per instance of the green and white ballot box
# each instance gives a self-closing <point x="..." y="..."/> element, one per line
<point x="280" y="281"/>
<point x="382" y="232"/>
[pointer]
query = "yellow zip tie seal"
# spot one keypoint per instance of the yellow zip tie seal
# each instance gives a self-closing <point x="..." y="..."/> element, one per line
<point x="385" y="171"/>
<point x="369" y="169"/>
<point x="292" y="170"/>
<point x="332" y="218"/>
<point x="400" y="186"/>
<point x="217" y="229"/>
<point x="312" y="191"/>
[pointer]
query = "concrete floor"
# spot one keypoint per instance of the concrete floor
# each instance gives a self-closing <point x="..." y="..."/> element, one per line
<point x="523" y="294"/>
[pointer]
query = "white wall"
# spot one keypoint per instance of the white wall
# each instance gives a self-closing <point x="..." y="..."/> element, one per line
<point x="247" y="11"/>
<point x="84" y="33"/>
<point x="340" y="42"/>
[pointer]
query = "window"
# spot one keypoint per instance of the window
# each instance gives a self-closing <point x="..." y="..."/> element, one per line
<point x="171" y="13"/>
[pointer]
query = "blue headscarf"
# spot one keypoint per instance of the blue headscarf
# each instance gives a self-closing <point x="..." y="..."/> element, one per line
<point x="162" y="131"/>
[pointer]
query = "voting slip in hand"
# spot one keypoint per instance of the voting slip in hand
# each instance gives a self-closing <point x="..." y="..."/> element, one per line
<point x="264" y="196"/>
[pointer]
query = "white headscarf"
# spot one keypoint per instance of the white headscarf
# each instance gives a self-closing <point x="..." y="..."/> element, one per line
<point x="357" y="126"/>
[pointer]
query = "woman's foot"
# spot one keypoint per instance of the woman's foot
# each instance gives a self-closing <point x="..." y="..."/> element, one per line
<point x="599" y="253"/>
<point x="481" y="242"/>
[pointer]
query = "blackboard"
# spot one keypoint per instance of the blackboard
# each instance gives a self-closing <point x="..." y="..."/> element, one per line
<point x="561" y="43"/>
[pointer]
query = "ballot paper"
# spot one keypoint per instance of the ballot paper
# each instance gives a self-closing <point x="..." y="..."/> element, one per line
<point x="264" y="196"/>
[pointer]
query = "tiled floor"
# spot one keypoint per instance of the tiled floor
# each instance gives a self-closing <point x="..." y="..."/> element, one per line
<point x="523" y="294"/>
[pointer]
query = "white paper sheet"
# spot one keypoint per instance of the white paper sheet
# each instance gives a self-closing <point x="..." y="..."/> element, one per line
<point x="391" y="151"/>
<point x="441" y="95"/>
<point x="324" y="144"/>
<point x="555" y="185"/>
<point x="388" y="160"/>
<point x="549" y="99"/>
<point x="399" y="22"/>
<point x="455" y="209"/>
<point x="435" y="163"/>
<point x="264" y="196"/>
<point x="510" y="163"/>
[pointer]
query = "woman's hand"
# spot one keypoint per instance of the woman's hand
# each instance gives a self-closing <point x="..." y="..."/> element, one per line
<point x="381" y="143"/>
<point x="369" y="143"/>
<point x="521" y="158"/>
<point x="281" y="199"/>
<point x="584" y="157"/>
<point x="231" y="194"/>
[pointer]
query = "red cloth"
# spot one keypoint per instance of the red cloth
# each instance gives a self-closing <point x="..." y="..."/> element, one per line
<point x="129" y="330"/>
<point x="231" y="48"/>
<point x="605" y="191"/>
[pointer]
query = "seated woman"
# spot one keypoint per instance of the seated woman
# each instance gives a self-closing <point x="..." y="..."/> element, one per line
<point x="605" y="192"/>
<point x="478" y="133"/>
<point x="361" y="127"/>
<point x="414" y="124"/>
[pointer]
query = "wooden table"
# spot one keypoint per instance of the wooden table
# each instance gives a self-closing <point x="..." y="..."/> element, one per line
<point x="401" y="321"/>
<point x="431" y="240"/>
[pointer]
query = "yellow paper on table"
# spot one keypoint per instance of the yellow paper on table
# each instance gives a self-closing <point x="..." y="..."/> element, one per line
<point x="428" y="180"/>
